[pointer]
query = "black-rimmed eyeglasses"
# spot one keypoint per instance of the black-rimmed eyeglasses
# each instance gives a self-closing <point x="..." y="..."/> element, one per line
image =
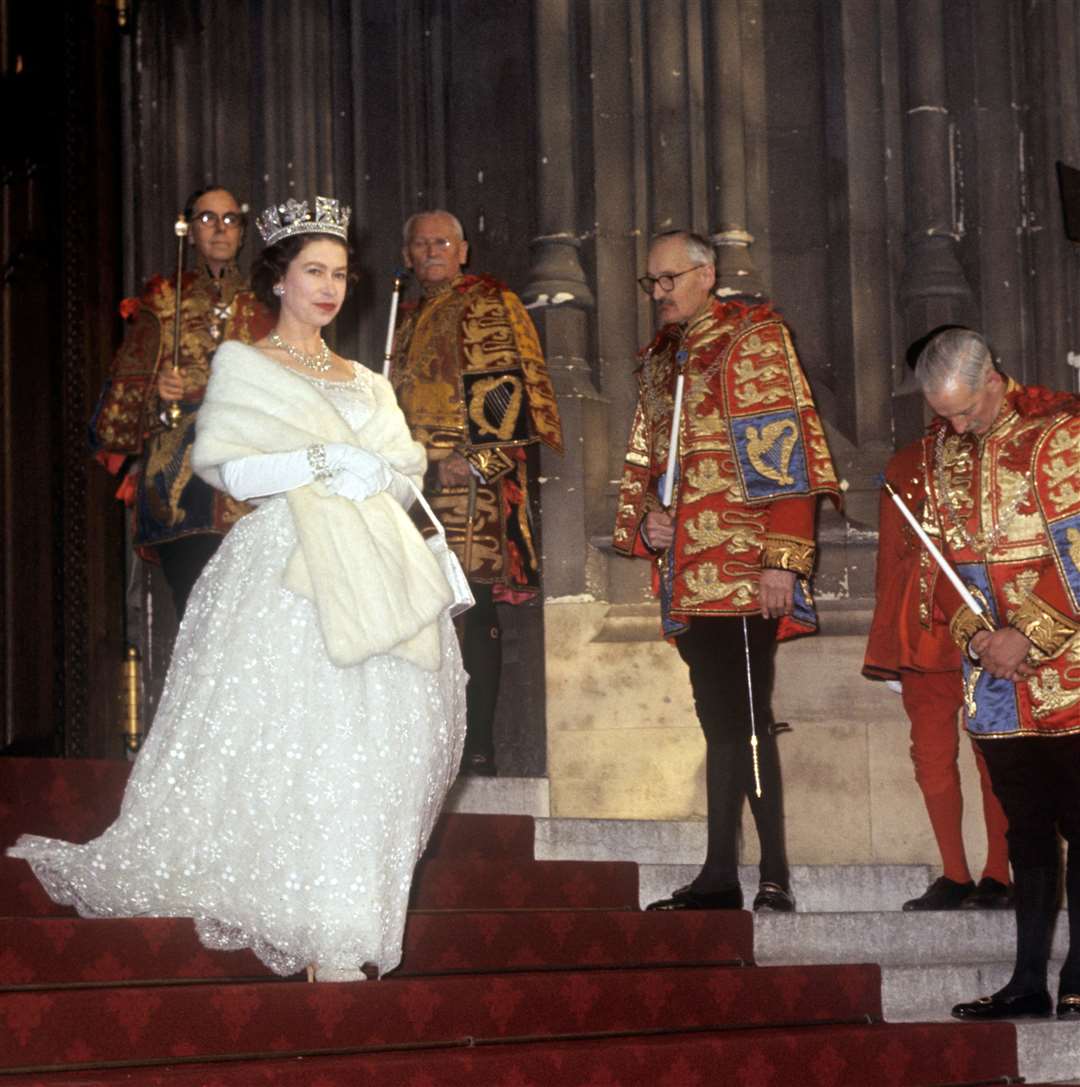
<point x="667" y="282"/>
<point x="230" y="220"/>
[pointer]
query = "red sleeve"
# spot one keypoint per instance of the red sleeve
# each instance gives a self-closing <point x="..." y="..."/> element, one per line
<point x="793" y="517"/>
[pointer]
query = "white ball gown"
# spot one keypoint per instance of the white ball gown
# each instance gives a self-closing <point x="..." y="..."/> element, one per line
<point x="279" y="800"/>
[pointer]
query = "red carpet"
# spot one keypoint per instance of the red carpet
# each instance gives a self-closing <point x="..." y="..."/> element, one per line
<point x="516" y="972"/>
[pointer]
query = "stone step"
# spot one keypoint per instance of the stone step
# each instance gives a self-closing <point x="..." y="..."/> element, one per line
<point x="669" y="855"/>
<point x="646" y="841"/>
<point x="1048" y="1051"/>
<point x="892" y="939"/>
<point x="819" y="888"/>
<point x="917" y="993"/>
<point x="500" y="796"/>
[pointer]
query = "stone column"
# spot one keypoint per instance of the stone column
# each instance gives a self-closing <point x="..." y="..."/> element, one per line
<point x="1050" y="40"/>
<point x="736" y="271"/>
<point x="676" y="117"/>
<point x="934" y="290"/>
<point x="859" y="268"/>
<point x="560" y="297"/>
<point x="998" y="139"/>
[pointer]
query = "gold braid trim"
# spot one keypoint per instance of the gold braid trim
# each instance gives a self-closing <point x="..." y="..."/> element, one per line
<point x="1045" y="627"/>
<point x="787" y="553"/>
<point x="964" y="626"/>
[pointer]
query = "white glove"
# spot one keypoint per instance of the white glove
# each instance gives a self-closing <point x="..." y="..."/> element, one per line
<point x="267" y="473"/>
<point x="357" y="474"/>
<point x="347" y="470"/>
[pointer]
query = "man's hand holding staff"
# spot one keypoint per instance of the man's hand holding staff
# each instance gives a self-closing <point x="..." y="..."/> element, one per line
<point x="1001" y="652"/>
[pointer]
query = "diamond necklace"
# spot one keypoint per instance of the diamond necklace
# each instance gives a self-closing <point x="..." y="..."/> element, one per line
<point x="319" y="362"/>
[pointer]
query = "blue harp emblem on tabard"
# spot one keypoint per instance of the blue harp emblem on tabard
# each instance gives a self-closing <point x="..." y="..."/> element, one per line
<point x="771" y="454"/>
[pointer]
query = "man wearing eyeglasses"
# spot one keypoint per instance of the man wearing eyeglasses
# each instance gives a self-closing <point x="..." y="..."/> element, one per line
<point x="179" y="519"/>
<point x="734" y="548"/>
<point x="474" y="387"/>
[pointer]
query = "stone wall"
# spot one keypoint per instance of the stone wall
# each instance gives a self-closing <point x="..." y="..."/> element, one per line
<point x="624" y="743"/>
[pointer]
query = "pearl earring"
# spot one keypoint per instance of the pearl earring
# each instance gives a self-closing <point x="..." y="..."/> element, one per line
<point x="279" y="290"/>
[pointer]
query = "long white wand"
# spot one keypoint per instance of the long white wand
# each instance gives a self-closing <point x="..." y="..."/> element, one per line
<point x="388" y="354"/>
<point x="676" y="422"/>
<point x="938" y="557"/>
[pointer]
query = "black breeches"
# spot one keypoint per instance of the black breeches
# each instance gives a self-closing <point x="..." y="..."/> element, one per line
<point x="1037" y="780"/>
<point x="716" y="653"/>
<point x="481" y="650"/>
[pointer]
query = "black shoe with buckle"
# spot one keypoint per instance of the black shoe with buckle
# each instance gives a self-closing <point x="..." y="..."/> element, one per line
<point x="773" y="897"/>
<point x="989" y="894"/>
<point x="1068" y="1006"/>
<point x="686" y="898"/>
<point x="1000" y="1006"/>
<point x="942" y="894"/>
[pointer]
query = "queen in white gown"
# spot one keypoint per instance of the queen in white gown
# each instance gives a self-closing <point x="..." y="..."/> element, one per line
<point x="314" y="710"/>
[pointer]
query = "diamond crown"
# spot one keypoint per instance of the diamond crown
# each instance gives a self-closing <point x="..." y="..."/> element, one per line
<point x="294" y="217"/>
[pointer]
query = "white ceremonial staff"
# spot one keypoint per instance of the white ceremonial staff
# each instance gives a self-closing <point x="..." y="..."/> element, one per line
<point x="753" y="718"/>
<point x="676" y="422"/>
<point x="938" y="557"/>
<point x="388" y="354"/>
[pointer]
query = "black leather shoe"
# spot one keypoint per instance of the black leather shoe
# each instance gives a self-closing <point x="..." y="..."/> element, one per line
<point x="771" y="896"/>
<point x="686" y="898"/>
<point x="942" y="894"/>
<point x="1068" y="1006"/>
<point x="1025" y="1006"/>
<point x="989" y="894"/>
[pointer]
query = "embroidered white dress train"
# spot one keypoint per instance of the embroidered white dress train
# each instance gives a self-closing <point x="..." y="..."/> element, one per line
<point x="280" y="800"/>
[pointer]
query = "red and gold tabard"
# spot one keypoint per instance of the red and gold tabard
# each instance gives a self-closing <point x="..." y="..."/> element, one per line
<point x="471" y="378"/>
<point x="1007" y="504"/>
<point x="752" y="461"/>
<point x="906" y="634"/>
<point x="169" y="500"/>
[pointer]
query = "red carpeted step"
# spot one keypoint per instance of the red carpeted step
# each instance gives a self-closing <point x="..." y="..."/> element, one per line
<point x="468" y="836"/>
<point x="22" y="896"/>
<point x="60" y="950"/>
<point x="484" y="884"/>
<point x="493" y="940"/>
<point x="76" y="799"/>
<point x="51" y="951"/>
<point x="137" y="1023"/>
<point x="439" y="884"/>
<point x="73" y="799"/>
<point x="912" y="1055"/>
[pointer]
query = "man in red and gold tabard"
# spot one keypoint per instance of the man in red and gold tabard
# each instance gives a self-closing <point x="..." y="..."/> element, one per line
<point x="474" y="387"/>
<point x="179" y="519"/>
<point x="909" y="648"/>
<point x="1004" y="495"/>
<point x="735" y="549"/>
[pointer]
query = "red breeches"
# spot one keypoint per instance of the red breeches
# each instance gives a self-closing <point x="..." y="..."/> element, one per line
<point x="932" y="701"/>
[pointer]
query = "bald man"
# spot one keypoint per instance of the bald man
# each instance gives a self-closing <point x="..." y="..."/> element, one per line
<point x="474" y="387"/>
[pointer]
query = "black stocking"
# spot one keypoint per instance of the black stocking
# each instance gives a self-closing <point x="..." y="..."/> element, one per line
<point x="481" y="651"/>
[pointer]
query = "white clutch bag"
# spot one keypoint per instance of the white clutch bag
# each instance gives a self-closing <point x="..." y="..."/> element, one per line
<point x="447" y="560"/>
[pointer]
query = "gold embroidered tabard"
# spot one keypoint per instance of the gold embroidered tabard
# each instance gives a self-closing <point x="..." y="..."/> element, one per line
<point x="751" y="461"/>
<point x="471" y="378"/>
<point x="1009" y="507"/>
<point x="169" y="500"/>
